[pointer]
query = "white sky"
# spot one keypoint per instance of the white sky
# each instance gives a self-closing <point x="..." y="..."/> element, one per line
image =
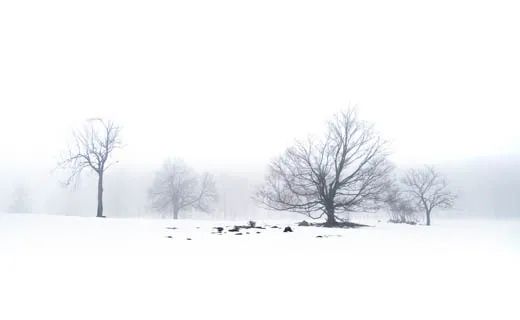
<point x="231" y="83"/>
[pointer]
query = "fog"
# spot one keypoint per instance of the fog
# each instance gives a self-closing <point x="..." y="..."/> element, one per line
<point x="486" y="187"/>
<point x="228" y="90"/>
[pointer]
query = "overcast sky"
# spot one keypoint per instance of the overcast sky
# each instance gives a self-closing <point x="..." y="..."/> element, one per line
<point x="232" y="83"/>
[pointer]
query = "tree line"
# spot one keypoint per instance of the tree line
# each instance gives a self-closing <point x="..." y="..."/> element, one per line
<point x="346" y="170"/>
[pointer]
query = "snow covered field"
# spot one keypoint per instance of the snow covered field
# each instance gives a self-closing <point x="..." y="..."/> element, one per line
<point x="54" y="267"/>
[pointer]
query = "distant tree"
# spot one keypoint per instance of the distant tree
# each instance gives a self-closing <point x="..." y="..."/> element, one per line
<point x="92" y="150"/>
<point x="347" y="171"/>
<point x="20" y="202"/>
<point x="429" y="190"/>
<point x="177" y="187"/>
<point x="400" y="206"/>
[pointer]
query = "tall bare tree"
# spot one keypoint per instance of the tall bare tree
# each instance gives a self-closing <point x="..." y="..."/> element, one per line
<point x="429" y="189"/>
<point x="347" y="171"/>
<point x="92" y="150"/>
<point x="177" y="187"/>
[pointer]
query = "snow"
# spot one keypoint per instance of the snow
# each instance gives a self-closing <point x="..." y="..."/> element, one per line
<point x="56" y="267"/>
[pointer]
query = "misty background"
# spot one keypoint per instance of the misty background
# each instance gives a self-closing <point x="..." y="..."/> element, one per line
<point x="228" y="90"/>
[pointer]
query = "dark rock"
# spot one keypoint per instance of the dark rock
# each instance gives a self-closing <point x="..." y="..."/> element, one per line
<point x="188" y="238"/>
<point x="169" y="237"/>
<point x="171" y="228"/>
<point x="304" y="224"/>
<point x="258" y="232"/>
<point x="287" y="229"/>
<point x="219" y="229"/>
<point x="275" y="227"/>
<point x="319" y="236"/>
<point x="235" y="229"/>
<point x="238" y="233"/>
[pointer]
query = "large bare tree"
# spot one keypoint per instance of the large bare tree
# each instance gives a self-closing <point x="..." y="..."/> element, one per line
<point x="429" y="190"/>
<point x="177" y="187"/>
<point x="92" y="149"/>
<point x="347" y="171"/>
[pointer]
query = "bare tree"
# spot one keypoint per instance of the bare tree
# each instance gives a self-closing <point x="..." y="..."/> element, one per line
<point x="400" y="206"/>
<point x="345" y="172"/>
<point x="429" y="190"/>
<point x="21" y="202"/>
<point x="92" y="150"/>
<point x="177" y="187"/>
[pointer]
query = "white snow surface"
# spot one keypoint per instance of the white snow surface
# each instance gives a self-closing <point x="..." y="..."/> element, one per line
<point x="56" y="267"/>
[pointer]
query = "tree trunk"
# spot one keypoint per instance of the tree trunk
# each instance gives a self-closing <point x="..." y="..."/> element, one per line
<point x="331" y="219"/>
<point x="175" y="214"/>
<point x="428" y="218"/>
<point x="100" y="197"/>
